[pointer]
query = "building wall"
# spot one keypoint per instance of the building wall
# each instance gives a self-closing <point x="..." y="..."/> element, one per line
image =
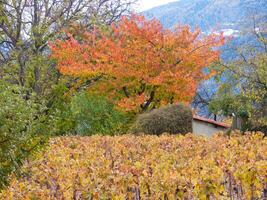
<point x="207" y="129"/>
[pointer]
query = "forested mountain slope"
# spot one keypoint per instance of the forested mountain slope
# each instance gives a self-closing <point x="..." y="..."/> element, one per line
<point x="210" y="14"/>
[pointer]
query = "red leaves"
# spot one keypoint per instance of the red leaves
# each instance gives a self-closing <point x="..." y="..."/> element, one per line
<point x="138" y="51"/>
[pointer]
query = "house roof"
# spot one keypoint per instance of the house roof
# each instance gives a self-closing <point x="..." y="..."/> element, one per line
<point x="210" y="121"/>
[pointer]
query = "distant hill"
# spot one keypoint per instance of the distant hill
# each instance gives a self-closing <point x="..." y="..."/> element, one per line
<point x="233" y="17"/>
<point x="210" y="15"/>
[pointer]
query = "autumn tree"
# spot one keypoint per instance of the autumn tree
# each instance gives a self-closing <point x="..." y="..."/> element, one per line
<point x="139" y="63"/>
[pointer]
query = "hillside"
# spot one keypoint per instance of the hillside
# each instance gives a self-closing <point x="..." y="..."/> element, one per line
<point x="232" y="17"/>
<point x="228" y="15"/>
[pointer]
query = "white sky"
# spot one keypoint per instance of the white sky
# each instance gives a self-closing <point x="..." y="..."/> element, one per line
<point x="146" y="4"/>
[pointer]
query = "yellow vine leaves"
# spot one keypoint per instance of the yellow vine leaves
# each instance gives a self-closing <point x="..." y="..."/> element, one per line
<point x="146" y="167"/>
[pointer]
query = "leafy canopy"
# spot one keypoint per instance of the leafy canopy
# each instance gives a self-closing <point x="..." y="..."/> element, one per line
<point x="139" y="63"/>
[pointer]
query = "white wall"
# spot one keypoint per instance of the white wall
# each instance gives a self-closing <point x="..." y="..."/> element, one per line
<point x="207" y="129"/>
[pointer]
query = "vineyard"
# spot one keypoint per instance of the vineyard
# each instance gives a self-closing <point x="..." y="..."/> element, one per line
<point x="146" y="167"/>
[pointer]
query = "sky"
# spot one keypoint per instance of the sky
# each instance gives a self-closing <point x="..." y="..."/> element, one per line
<point x="147" y="4"/>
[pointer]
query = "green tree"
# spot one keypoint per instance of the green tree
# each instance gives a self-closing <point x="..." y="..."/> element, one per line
<point x="243" y="84"/>
<point x="21" y="130"/>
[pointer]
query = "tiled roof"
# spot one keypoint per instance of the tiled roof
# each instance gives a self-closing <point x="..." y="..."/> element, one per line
<point x="221" y="124"/>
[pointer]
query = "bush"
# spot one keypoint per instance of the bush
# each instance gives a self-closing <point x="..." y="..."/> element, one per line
<point x="171" y="119"/>
<point x="60" y="111"/>
<point x="259" y="126"/>
<point x="20" y="130"/>
<point x="96" y="115"/>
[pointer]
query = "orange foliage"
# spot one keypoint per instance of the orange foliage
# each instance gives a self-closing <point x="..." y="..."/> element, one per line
<point x="142" y="61"/>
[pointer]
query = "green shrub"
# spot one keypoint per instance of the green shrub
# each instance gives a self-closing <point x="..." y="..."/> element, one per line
<point x="171" y="119"/>
<point x="96" y="115"/>
<point x="21" y="130"/>
<point x="60" y="111"/>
